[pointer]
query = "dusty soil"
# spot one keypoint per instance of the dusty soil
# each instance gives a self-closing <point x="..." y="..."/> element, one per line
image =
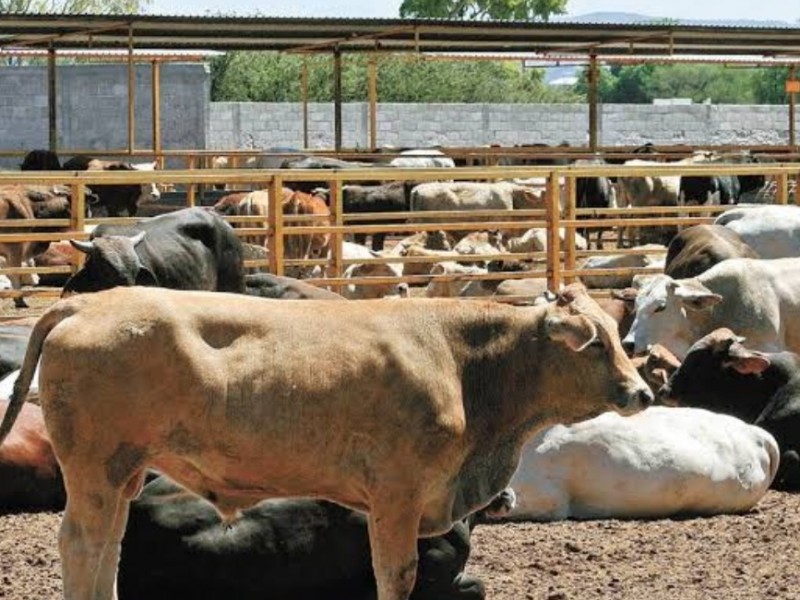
<point x="750" y="557"/>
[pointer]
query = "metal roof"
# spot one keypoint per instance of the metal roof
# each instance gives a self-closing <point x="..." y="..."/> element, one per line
<point x="395" y="35"/>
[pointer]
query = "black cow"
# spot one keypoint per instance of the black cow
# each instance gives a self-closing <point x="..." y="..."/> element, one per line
<point x="594" y="192"/>
<point x="697" y="249"/>
<point x="40" y="160"/>
<point x="317" y="162"/>
<point x="266" y="285"/>
<point x="115" y="200"/>
<point x="721" y="375"/>
<point x="696" y="190"/>
<point x="389" y="197"/>
<point x="176" y="546"/>
<point x="190" y="249"/>
<point x="13" y="342"/>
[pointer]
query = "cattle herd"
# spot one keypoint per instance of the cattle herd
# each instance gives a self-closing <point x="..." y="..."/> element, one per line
<point x="214" y="430"/>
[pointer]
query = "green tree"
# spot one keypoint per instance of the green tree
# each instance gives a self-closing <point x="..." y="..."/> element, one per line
<point x="769" y="85"/>
<point x="519" y="10"/>
<point x="700" y="82"/>
<point x="103" y="7"/>
<point x="269" y="77"/>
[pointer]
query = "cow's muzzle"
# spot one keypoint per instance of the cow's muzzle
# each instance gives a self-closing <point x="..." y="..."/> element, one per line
<point x="632" y="399"/>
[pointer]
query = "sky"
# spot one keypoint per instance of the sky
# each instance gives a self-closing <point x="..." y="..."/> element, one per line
<point x="786" y="10"/>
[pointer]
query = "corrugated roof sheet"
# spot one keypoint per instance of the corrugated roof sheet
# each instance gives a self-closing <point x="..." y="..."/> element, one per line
<point x="400" y="35"/>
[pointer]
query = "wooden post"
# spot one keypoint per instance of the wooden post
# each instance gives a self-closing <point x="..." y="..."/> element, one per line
<point x="131" y="94"/>
<point x="337" y="239"/>
<point x="792" y="106"/>
<point x="52" y="99"/>
<point x="304" y="92"/>
<point x="191" y="189"/>
<point x="593" y="76"/>
<point x="782" y="191"/>
<point x="77" y="221"/>
<point x="373" y="104"/>
<point x="553" y="218"/>
<point x="156" y="90"/>
<point x="275" y="237"/>
<point x="569" y="231"/>
<point x="337" y="98"/>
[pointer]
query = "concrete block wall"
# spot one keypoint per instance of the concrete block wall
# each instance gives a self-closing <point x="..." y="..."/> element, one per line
<point x="92" y="109"/>
<point x="264" y="125"/>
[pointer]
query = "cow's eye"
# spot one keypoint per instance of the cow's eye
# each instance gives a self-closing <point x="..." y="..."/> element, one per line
<point x="596" y="343"/>
<point x="660" y="307"/>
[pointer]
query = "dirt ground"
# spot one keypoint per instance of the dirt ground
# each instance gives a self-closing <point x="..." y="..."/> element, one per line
<point x="746" y="557"/>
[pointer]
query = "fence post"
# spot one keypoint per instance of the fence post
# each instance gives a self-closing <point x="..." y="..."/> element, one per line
<point x="553" y="218"/>
<point x="570" y="183"/>
<point x="191" y="190"/>
<point x="275" y="225"/>
<point x="337" y="214"/>
<point x="782" y="191"/>
<point x="77" y="220"/>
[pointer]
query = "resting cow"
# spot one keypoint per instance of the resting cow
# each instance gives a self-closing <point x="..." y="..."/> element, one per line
<point x="722" y="375"/>
<point x="190" y="249"/>
<point x="659" y="463"/>
<point x="176" y="546"/>
<point x="266" y="285"/>
<point x="756" y="298"/>
<point x="697" y="249"/>
<point x="29" y="475"/>
<point x="416" y="416"/>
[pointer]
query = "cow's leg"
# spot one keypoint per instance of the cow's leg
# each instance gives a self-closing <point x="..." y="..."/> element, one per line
<point x="393" y="541"/>
<point x="378" y="240"/>
<point x="92" y="529"/>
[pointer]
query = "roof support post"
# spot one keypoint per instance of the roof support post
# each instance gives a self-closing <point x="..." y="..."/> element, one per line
<point x="337" y="98"/>
<point x="131" y="93"/>
<point x="373" y="103"/>
<point x="52" y="113"/>
<point x="304" y="95"/>
<point x="792" y="106"/>
<point x="156" y="91"/>
<point x="593" y="76"/>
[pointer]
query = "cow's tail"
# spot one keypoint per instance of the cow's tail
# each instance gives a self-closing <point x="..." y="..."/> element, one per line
<point x="41" y="330"/>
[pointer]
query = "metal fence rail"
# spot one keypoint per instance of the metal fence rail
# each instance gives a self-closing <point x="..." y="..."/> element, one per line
<point x="559" y="264"/>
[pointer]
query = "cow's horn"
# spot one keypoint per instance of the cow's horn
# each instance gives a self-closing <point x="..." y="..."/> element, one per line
<point x="85" y="247"/>
<point x="138" y="238"/>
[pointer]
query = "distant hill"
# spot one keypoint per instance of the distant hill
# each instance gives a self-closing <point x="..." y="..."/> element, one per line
<point x="625" y="18"/>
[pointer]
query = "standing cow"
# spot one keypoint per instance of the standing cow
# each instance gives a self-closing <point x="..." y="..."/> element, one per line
<point x="190" y="249"/>
<point x="417" y="415"/>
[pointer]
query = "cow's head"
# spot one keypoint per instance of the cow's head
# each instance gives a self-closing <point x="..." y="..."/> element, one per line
<point x="363" y="291"/>
<point x="717" y="374"/>
<point x="150" y="192"/>
<point x="585" y="361"/>
<point x="665" y="311"/>
<point x="111" y="261"/>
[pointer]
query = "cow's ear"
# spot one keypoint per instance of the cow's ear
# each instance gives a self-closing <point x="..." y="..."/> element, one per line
<point x="576" y="331"/>
<point x="746" y="362"/>
<point x="146" y="277"/>
<point x="697" y="297"/>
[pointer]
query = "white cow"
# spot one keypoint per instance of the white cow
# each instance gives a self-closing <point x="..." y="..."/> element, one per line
<point x="771" y="230"/>
<point x="452" y="284"/>
<point x="652" y="257"/>
<point x="361" y="291"/>
<point x="422" y="159"/>
<point x="658" y="463"/>
<point x="758" y="299"/>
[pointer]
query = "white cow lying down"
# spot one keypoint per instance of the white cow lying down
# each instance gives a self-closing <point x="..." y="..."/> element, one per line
<point x="660" y="462"/>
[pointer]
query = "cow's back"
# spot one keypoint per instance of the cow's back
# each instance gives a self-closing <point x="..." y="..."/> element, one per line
<point x="660" y="462"/>
<point x="761" y="301"/>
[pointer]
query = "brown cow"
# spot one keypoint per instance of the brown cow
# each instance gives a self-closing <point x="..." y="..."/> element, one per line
<point x="29" y="202"/>
<point x="417" y="416"/>
<point x="307" y="245"/>
<point x="30" y="476"/>
<point x="697" y="249"/>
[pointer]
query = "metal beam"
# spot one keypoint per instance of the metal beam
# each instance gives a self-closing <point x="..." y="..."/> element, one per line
<point x="373" y="103"/>
<point x="304" y="93"/>
<point x="156" y="93"/>
<point x="337" y="98"/>
<point x="52" y="99"/>
<point x="594" y="79"/>
<point x="131" y="94"/>
<point x="792" y="106"/>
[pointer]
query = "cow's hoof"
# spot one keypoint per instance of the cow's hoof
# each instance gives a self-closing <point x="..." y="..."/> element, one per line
<point x="20" y="303"/>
